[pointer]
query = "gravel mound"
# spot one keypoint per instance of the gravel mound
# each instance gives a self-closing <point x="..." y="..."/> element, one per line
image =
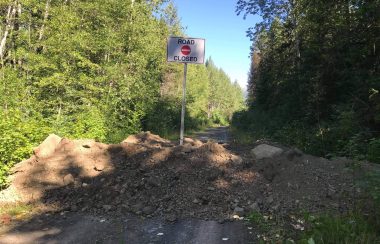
<point x="150" y="176"/>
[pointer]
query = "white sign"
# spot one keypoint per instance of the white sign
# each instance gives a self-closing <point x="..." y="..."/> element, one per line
<point x="186" y="50"/>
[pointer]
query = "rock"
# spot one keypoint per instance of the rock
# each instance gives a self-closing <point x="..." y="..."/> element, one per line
<point x="255" y="207"/>
<point x="68" y="179"/>
<point x="107" y="207"/>
<point x="330" y="193"/>
<point x="215" y="147"/>
<point x="154" y="181"/>
<point x="48" y="146"/>
<point x="187" y="148"/>
<point x="74" y="208"/>
<point x="171" y="218"/>
<point x="148" y="210"/>
<point x="270" y="199"/>
<point x="269" y="171"/>
<point x="239" y="211"/>
<point x="99" y="167"/>
<point x="237" y="160"/>
<point x="276" y="207"/>
<point x="298" y="152"/>
<point x="211" y="188"/>
<point x="266" y="151"/>
<point x="196" y="201"/>
<point x="137" y="208"/>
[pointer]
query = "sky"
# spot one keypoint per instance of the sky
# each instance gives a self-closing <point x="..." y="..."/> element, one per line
<point x="224" y="31"/>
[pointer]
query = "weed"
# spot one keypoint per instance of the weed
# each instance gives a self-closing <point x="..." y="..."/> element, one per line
<point x="327" y="229"/>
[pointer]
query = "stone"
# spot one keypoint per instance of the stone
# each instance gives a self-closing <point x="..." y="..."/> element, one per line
<point x="237" y="160"/>
<point x="211" y="188"/>
<point x="171" y="218"/>
<point x="270" y="199"/>
<point x="137" y="208"/>
<point x="266" y="151"/>
<point x="107" y="207"/>
<point x="68" y="179"/>
<point x="154" y="181"/>
<point x="298" y="152"/>
<point x="99" y="167"/>
<point x="255" y="207"/>
<point x="239" y="211"/>
<point x="187" y="148"/>
<point x="148" y="210"/>
<point x="48" y="146"/>
<point x="330" y="193"/>
<point x="196" y="201"/>
<point x="74" y="208"/>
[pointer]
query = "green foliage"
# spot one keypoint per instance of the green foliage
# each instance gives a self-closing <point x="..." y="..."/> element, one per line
<point x="340" y="229"/>
<point x="310" y="85"/>
<point x="95" y="69"/>
<point x="258" y="219"/>
<point x="374" y="151"/>
<point x="164" y="118"/>
<point x="19" y="134"/>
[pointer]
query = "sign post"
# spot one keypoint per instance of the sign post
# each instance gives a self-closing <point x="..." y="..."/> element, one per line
<point x="185" y="50"/>
<point x="183" y="105"/>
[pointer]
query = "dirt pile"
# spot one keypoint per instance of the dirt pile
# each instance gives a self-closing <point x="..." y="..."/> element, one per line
<point x="150" y="176"/>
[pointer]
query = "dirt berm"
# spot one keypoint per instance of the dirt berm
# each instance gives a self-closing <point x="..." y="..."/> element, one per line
<point x="149" y="176"/>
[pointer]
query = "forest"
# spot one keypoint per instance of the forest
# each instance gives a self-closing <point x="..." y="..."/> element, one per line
<point x="315" y="76"/>
<point x="97" y="69"/>
<point x="300" y="159"/>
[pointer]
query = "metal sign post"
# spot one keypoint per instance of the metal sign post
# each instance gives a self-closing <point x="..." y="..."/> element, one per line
<point x="185" y="50"/>
<point x="183" y="105"/>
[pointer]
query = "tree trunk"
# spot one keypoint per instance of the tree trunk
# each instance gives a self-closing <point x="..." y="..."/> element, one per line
<point x="8" y="27"/>
<point x="41" y="34"/>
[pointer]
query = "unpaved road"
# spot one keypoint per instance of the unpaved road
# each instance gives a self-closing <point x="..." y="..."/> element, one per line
<point x="76" y="228"/>
<point x="69" y="227"/>
<point x="219" y="134"/>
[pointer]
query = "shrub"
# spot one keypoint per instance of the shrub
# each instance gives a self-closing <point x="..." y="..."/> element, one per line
<point x="19" y="135"/>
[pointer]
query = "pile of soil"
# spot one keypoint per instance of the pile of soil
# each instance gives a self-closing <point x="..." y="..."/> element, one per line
<point x="149" y="176"/>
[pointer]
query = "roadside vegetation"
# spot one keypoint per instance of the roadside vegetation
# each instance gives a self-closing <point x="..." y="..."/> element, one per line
<point x="314" y="84"/>
<point x="97" y="69"/>
<point x="314" y="80"/>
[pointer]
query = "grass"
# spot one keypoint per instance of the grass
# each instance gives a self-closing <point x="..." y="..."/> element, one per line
<point x="328" y="229"/>
<point x="319" y="229"/>
<point x="16" y="210"/>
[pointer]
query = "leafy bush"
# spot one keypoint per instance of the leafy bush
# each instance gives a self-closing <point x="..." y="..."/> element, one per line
<point x="19" y="135"/>
<point x="340" y="137"/>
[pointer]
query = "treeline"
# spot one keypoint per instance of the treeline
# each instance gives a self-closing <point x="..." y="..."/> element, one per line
<point x="315" y="79"/>
<point x="97" y="69"/>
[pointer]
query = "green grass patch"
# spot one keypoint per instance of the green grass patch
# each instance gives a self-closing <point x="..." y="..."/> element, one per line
<point x="328" y="229"/>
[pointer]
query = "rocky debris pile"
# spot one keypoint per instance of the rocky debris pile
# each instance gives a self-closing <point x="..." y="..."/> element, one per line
<point x="149" y="176"/>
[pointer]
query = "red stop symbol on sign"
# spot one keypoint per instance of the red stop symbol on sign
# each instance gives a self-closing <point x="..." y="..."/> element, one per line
<point x="186" y="50"/>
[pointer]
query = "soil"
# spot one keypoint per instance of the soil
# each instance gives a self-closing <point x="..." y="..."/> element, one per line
<point x="148" y="176"/>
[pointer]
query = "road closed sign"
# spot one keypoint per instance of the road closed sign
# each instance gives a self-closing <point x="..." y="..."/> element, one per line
<point x="186" y="50"/>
